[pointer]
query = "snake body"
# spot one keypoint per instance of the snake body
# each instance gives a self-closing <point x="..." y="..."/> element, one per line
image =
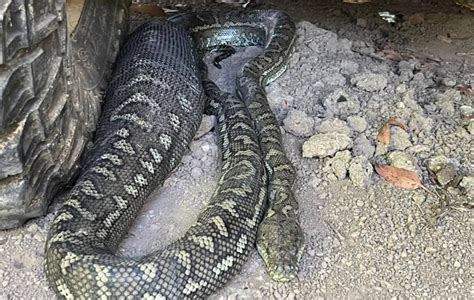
<point x="152" y="109"/>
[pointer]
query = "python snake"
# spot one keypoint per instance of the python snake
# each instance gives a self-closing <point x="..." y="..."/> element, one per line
<point x="152" y="108"/>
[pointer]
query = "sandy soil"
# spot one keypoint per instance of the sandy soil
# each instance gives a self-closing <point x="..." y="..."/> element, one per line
<point x="365" y="238"/>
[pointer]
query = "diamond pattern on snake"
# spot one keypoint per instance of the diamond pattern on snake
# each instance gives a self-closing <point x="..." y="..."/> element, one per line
<point x="152" y="108"/>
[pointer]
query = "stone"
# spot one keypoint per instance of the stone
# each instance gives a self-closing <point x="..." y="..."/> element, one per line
<point x="445" y="101"/>
<point x="333" y="125"/>
<point x="470" y="127"/>
<point x="298" y="123"/>
<point x="446" y="174"/>
<point x="341" y="104"/>
<point x="362" y="146"/>
<point x="360" y="170"/>
<point x="339" y="163"/>
<point x="369" y="82"/>
<point x="349" y="67"/>
<point x="361" y="22"/>
<point x="445" y="171"/>
<point x="449" y="82"/>
<point x="400" y="159"/>
<point x="436" y="163"/>
<point x="206" y="126"/>
<point x="358" y="124"/>
<point x="467" y="183"/>
<point x="467" y="112"/>
<point x="326" y="144"/>
<point x="400" y="139"/>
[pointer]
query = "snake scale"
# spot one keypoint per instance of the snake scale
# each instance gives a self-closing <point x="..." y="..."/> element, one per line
<point x="152" y="109"/>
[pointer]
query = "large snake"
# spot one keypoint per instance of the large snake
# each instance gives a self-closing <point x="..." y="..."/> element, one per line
<point x="152" y="108"/>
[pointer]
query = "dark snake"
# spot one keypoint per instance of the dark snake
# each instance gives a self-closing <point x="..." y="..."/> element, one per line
<point x="152" y="109"/>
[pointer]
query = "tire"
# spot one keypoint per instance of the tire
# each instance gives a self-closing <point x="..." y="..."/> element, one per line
<point x="50" y="92"/>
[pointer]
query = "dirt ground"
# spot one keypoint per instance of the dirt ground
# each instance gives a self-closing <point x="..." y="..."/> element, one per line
<point x="365" y="238"/>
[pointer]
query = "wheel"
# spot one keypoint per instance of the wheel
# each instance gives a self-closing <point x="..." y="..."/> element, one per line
<point x="52" y="72"/>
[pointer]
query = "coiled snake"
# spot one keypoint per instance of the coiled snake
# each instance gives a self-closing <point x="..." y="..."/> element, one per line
<point x="152" y="108"/>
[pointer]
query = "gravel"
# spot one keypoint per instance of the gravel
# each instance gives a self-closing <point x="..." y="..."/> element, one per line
<point x="298" y="123"/>
<point x="326" y="144"/>
<point x="364" y="237"/>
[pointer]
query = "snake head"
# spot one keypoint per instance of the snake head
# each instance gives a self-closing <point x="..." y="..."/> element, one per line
<point x="280" y="243"/>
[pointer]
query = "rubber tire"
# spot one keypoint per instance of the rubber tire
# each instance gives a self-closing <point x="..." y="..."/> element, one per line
<point x="50" y="92"/>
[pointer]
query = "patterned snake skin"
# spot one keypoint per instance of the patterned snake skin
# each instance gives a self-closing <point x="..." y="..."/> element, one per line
<point x="152" y="109"/>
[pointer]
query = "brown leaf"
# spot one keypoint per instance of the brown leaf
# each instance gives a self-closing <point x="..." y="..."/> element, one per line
<point x="151" y="9"/>
<point x="395" y="122"/>
<point x="384" y="132"/>
<point x="401" y="178"/>
<point x="392" y="54"/>
<point x="465" y="89"/>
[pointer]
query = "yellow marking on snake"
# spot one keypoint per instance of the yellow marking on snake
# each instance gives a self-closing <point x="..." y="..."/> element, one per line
<point x="124" y="146"/>
<point x="220" y="225"/>
<point x="224" y="265"/>
<point x="131" y="190"/>
<point x="88" y="188"/>
<point x="106" y="172"/>
<point x="122" y="132"/>
<point x="121" y="203"/>
<point x="65" y="216"/>
<point x="165" y="140"/>
<point x="157" y="157"/>
<point x="140" y="180"/>
<point x="114" y="159"/>
<point x="150" y="270"/>
<point x="205" y="242"/>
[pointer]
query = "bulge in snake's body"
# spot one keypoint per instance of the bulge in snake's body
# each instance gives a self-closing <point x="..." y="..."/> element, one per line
<point x="153" y="106"/>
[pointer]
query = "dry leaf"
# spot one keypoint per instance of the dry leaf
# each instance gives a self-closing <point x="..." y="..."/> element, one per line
<point x="151" y="9"/>
<point x="401" y="178"/>
<point x="465" y="89"/>
<point x="394" y="122"/>
<point x="392" y="54"/>
<point x="384" y="132"/>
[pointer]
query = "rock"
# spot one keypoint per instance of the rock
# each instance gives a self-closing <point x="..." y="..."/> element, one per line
<point x="207" y="124"/>
<point x="360" y="171"/>
<point x="402" y="160"/>
<point x="362" y="146"/>
<point x="437" y="162"/>
<point x="408" y="99"/>
<point x="401" y="88"/>
<point x="369" y="82"/>
<point x="449" y="82"/>
<point x="361" y="22"/>
<point x="415" y="19"/>
<point x="418" y="122"/>
<point x="470" y="127"/>
<point x="444" y="170"/>
<point x="467" y="183"/>
<point x="339" y="163"/>
<point x="196" y="173"/>
<point x="326" y="144"/>
<point x="445" y="101"/>
<point x="333" y="125"/>
<point x="279" y="100"/>
<point x="467" y="112"/>
<point x="418" y="149"/>
<point x="349" y="67"/>
<point x="341" y="104"/>
<point x="298" y="123"/>
<point x="358" y="124"/>
<point x="400" y="139"/>
<point x="334" y="79"/>
<point x="322" y="40"/>
<point x="447" y="174"/>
